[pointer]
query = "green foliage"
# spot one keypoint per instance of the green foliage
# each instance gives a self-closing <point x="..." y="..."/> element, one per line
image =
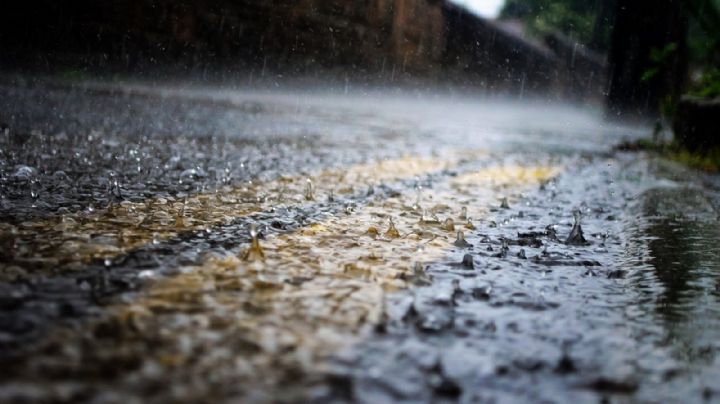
<point x="704" y="31"/>
<point x="704" y="46"/>
<point x="709" y="161"/>
<point x="658" y="59"/>
<point x="708" y="86"/>
<point x="660" y="56"/>
<point x="575" y="18"/>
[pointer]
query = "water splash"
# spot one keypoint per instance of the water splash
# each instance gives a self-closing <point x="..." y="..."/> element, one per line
<point x="309" y="190"/>
<point x="255" y="251"/>
<point x="419" y="276"/>
<point x="467" y="261"/>
<point x="504" y="203"/>
<point x="392" y="232"/>
<point x="460" y="241"/>
<point x="576" y="234"/>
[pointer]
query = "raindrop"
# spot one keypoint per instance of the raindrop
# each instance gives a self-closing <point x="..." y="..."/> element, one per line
<point x="468" y="262"/>
<point x="460" y="241"/>
<point x="179" y="221"/>
<point x="504" y="203"/>
<point x="254" y="252"/>
<point x="449" y="225"/>
<point x="116" y="192"/>
<point x="309" y="190"/>
<point x="463" y="213"/>
<point x="418" y="188"/>
<point x="425" y="218"/>
<point x="551" y="232"/>
<point x="576" y="234"/>
<point x="392" y="232"/>
<point x="419" y="276"/>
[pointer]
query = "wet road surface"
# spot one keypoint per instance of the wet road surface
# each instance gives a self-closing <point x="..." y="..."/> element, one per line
<point x="413" y="246"/>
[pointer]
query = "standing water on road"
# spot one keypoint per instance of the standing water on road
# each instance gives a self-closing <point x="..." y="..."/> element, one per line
<point x="377" y="201"/>
<point x="473" y="257"/>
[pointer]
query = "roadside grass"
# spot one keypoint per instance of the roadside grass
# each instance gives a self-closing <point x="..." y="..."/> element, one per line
<point x="706" y="160"/>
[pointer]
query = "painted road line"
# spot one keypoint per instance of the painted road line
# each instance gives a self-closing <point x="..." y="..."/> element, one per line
<point x="72" y="241"/>
<point x="318" y="289"/>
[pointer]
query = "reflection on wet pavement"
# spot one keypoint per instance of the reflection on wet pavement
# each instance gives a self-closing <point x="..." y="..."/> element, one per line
<point x="395" y="256"/>
<point x="677" y="281"/>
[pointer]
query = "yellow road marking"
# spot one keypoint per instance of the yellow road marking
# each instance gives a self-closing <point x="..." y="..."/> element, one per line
<point x="72" y="241"/>
<point x="319" y="289"/>
<point x="264" y="322"/>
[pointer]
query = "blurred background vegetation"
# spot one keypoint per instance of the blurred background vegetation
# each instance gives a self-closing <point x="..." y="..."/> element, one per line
<point x="704" y="47"/>
<point x="591" y="22"/>
<point x="664" y="61"/>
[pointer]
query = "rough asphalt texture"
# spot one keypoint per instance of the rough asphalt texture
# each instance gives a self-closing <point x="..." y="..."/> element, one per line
<point x="633" y="315"/>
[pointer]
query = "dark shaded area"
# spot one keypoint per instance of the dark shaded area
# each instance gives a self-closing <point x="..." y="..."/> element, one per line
<point x="648" y="57"/>
<point x="490" y="53"/>
<point x="587" y="68"/>
<point x="483" y="51"/>
<point x="682" y="270"/>
<point x="234" y="35"/>
<point x="589" y="22"/>
<point x="370" y="41"/>
<point x="695" y="124"/>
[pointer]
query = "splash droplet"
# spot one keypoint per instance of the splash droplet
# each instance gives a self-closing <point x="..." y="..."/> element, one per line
<point x="416" y="206"/>
<point x="504" y="203"/>
<point x="460" y="241"/>
<point x="576" y="234"/>
<point x="179" y="218"/>
<point x="419" y="276"/>
<point x="254" y="252"/>
<point x="392" y="232"/>
<point x="468" y="262"/>
<point x="309" y="190"/>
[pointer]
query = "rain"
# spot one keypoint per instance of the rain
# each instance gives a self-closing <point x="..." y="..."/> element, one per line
<point x="383" y="201"/>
